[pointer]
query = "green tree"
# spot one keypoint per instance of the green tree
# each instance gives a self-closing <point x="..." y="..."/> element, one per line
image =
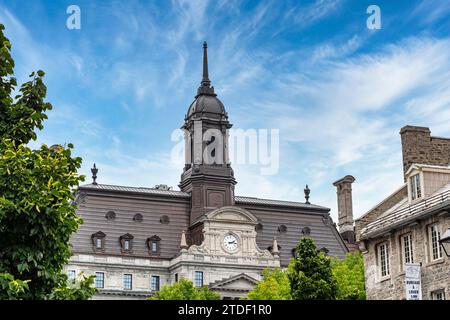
<point x="37" y="212"/>
<point x="274" y="286"/>
<point x="310" y="273"/>
<point x="184" y="289"/>
<point x="349" y="274"/>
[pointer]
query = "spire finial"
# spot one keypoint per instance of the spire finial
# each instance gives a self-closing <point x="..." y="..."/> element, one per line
<point x="205" y="86"/>
<point x="205" y="79"/>
<point x="307" y="192"/>
<point x="94" y="171"/>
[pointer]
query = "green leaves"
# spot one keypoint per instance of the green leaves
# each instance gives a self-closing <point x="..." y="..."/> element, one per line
<point x="184" y="290"/>
<point x="10" y="288"/>
<point x="310" y="273"/>
<point x="349" y="274"/>
<point x="274" y="286"/>
<point x="37" y="214"/>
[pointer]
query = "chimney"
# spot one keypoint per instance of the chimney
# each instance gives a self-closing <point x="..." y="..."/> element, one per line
<point x="345" y="208"/>
<point x="416" y="147"/>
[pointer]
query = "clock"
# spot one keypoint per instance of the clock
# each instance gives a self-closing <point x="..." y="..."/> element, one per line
<point x="230" y="242"/>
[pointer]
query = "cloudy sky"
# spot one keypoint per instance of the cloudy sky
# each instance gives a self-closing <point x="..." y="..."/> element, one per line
<point x="338" y="92"/>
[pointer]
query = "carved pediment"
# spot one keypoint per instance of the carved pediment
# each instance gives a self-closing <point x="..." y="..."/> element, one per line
<point x="231" y="213"/>
<point x="240" y="282"/>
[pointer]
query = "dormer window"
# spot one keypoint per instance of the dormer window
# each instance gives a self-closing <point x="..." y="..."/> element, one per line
<point x="416" y="187"/>
<point x="98" y="241"/>
<point x="153" y="245"/>
<point x="126" y="242"/>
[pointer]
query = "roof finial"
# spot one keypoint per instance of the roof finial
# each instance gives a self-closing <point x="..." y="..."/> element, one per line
<point x="205" y="86"/>
<point x="275" y="250"/>
<point x="183" y="243"/>
<point x="307" y="192"/>
<point x="94" y="171"/>
<point x="205" y="79"/>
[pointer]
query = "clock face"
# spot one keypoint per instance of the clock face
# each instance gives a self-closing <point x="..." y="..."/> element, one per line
<point x="230" y="242"/>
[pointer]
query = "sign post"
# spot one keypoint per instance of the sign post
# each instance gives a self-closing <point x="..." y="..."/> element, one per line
<point x="413" y="281"/>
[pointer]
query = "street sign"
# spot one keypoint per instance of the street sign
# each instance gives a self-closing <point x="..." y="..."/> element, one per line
<point x="413" y="282"/>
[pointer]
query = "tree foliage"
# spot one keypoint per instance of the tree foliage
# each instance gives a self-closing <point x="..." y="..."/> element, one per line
<point x="37" y="213"/>
<point x="274" y="286"/>
<point x="310" y="273"/>
<point x="184" y="289"/>
<point x="349" y="274"/>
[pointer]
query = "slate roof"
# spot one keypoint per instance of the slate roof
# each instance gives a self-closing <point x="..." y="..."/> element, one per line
<point x="403" y="213"/>
<point x="176" y="193"/>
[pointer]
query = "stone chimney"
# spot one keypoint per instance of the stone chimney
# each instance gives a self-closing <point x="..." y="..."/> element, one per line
<point x="418" y="146"/>
<point x="345" y="208"/>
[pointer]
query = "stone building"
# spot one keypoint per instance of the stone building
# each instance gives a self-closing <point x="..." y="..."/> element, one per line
<point x="136" y="239"/>
<point x="405" y="228"/>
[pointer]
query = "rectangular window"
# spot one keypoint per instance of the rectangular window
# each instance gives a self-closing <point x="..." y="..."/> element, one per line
<point x="127" y="282"/>
<point x="406" y="242"/>
<point x="126" y="245"/>
<point x="71" y="275"/>
<point x="435" y="248"/>
<point x="416" y="189"/>
<point x="438" y="295"/>
<point x="99" y="280"/>
<point x="383" y="256"/>
<point x="98" y="243"/>
<point x="154" y="247"/>
<point x="176" y="277"/>
<point x="198" y="279"/>
<point x="155" y="283"/>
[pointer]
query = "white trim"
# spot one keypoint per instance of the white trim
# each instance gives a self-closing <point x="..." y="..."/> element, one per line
<point x="430" y="242"/>
<point x="387" y="246"/>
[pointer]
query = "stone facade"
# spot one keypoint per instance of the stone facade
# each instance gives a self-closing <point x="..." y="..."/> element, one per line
<point x="211" y="258"/>
<point x="406" y="226"/>
<point x="435" y="274"/>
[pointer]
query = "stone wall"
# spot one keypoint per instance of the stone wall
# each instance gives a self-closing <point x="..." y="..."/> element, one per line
<point x="435" y="274"/>
<point x="418" y="146"/>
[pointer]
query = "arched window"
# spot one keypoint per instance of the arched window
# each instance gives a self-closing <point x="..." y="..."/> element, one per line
<point x="154" y="245"/>
<point x="98" y="241"/>
<point x="126" y="243"/>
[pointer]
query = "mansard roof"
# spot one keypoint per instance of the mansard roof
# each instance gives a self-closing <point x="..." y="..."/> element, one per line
<point x="95" y="200"/>
<point x="240" y="200"/>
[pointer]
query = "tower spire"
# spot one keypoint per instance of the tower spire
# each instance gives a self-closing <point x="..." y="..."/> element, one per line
<point x="205" y="79"/>
<point x="205" y="86"/>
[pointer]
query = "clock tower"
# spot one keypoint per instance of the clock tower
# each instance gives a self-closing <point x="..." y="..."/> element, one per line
<point x="207" y="173"/>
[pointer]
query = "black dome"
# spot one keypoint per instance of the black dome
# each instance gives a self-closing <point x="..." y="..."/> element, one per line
<point x="206" y="103"/>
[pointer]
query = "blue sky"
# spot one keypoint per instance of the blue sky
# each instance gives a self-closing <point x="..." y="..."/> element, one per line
<point x="338" y="92"/>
